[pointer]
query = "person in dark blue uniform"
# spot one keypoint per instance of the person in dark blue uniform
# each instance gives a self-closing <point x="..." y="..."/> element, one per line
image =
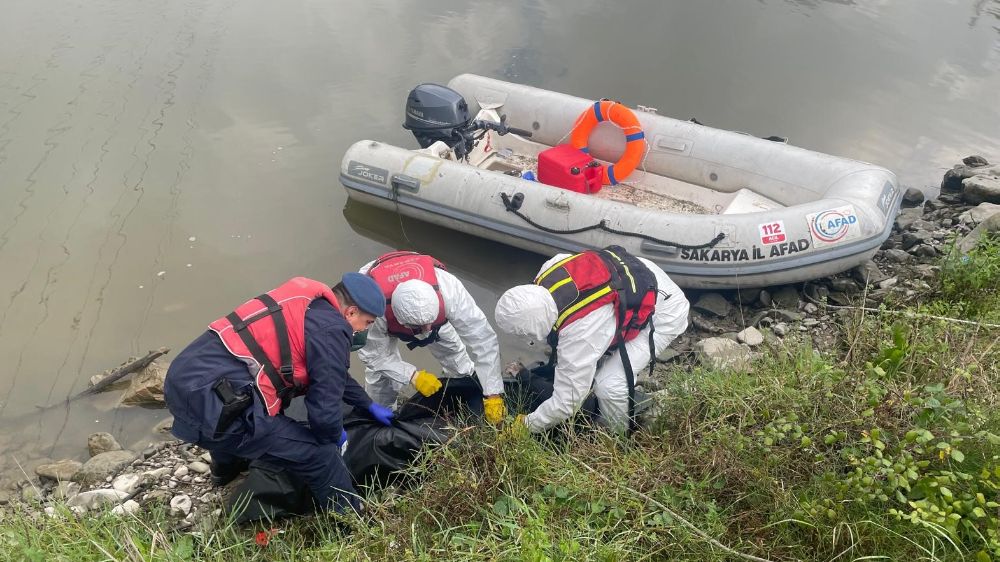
<point x="228" y="389"/>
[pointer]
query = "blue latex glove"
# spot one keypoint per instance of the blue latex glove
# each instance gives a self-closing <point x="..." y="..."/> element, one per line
<point x="343" y="438"/>
<point x="381" y="413"/>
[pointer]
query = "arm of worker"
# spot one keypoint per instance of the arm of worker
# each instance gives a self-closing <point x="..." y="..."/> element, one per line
<point x="475" y="331"/>
<point x="328" y="348"/>
<point x="670" y="319"/>
<point x="581" y="346"/>
<point x="381" y="356"/>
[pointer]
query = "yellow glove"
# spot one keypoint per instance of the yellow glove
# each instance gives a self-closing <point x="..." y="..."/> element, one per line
<point x="494" y="409"/>
<point x="426" y="383"/>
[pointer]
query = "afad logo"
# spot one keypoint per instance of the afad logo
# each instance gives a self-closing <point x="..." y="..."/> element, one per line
<point x="833" y="225"/>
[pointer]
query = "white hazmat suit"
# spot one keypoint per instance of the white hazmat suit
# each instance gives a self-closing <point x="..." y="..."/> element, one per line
<point x="529" y="311"/>
<point x="467" y="341"/>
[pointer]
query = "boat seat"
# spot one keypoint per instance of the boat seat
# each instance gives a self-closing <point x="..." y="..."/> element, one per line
<point x="749" y="201"/>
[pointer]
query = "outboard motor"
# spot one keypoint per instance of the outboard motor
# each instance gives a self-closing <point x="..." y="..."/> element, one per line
<point x="438" y="113"/>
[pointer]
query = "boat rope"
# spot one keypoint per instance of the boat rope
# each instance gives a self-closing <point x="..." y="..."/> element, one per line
<point x="513" y="205"/>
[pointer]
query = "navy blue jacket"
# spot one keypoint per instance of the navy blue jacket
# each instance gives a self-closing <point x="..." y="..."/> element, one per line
<point x="196" y="408"/>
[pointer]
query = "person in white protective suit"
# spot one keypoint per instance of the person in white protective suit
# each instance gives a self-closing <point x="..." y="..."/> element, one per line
<point x="574" y="305"/>
<point x="427" y="306"/>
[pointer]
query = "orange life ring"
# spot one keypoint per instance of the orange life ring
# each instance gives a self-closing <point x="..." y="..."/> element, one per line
<point x="635" y="139"/>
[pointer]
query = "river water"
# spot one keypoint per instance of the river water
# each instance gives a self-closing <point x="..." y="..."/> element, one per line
<point x="161" y="162"/>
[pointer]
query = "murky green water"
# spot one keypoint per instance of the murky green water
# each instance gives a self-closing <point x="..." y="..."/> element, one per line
<point x="160" y="162"/>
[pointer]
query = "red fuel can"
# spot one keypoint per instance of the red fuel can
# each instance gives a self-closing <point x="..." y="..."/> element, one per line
<point x="570" y="168"/>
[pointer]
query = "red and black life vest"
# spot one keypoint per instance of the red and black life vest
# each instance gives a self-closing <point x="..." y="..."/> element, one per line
<point x="589" y="280"/>
<point x="274" y="351"/>
<point x="389" y="271"/>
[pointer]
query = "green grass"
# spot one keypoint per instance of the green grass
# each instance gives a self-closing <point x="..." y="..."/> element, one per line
<point x="882" y="448"/>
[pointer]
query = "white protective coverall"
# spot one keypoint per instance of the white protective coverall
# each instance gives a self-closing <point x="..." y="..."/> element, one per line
<point x="467" y="343"/>
<point x="529" y="311"/>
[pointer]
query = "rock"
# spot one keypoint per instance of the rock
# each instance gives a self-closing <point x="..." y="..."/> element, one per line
<point x="96" y="498"/>
<point x="127" y="483"/>
<point x="776" y="314"/>
<point x="713" y="304"/>
<point x="703" y="325"/>
<point x="180" y="505"/>
<point x="913" y="196"/>
<point x="838" y="298"/>
<point x="61" y="471"/>
<point x="157" y="473"/>
<point x="810" y="322"/>
<point x="103" y="465"/>
<point x="65" y="490"/>
<point x="867" y="273"/>
<point x="810" y="308"/>
<point x="78" y="510"/>
<point x="780" y="329"/>
<point x="181" y="471"/>
<point x="765" y="297"/>
<point x="954" y="178"/>
<point x="786" y="297"/>
<point x="207" y="457"/>
<point x="975" y="161"/>
<point x="32" y="494"/>
<point x="907" y="217"/>
<point x="128" y="508"/>
<point x="4" y="497"/>
<point x="924" y="251"/>
<point x="146" y="388"/>
<point x="750" y="336"/>
<point x="981" y="189"/>
<point x="164" y="426"/>
<point x="844" y="285"/>
<point x="888" y="283"/>
<point x="722" y="353"/>
<point x="50" y="511"/>
<point x="199" y="467"/>
<point x="102" y="442"/>
<point x="911" y="239"/>
<point x="897" y="256"/>
<point x="989" y="226"/>
<point x="979" y="213"/>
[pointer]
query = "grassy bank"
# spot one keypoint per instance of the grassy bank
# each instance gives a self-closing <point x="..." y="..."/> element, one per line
<point x="882" y="447"/>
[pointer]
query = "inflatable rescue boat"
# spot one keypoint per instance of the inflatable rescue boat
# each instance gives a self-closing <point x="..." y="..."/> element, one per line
<point x="550" y="172"/>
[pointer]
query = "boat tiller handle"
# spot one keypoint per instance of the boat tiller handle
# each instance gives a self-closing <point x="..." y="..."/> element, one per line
<point x="654" y="248"/>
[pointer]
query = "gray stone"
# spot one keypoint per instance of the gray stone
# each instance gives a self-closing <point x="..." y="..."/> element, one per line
<point x="786" y="297"/>
<point x="844" y="285"/>
<point x="65" y="490"/>
<point x="60" y="471"/>
<point x="765" y="297"/>
<point x="989" y="226"/>
<point x="780" y="329"/>
<point x="32" y="494"/>
<point x="867" y="273"/>
<point x="158" y="473"/>
<point x="750" y="336"/>
<point x="199" y="467"/>
<point x="95" y="499"/>
<point x="180" y="505"/>
<point x="703" y="325"/>
<point x="810" y="308"/>
<point x="102" y="442"/>
<point x="747" y="297"/>
<point x="975" y="161"/>
<point x="181" y="471"/>
<point x="954" y="178"/>
<point x="146" y="388"/>
<point x="712" y="303"/>
<point x="888" y="283"/>
<point x="4" y="497"/>
<point x="130" y="507"/>
<point x="913" y="196"/>
<point x="897" y="256"/>
<point x="164" y="426"/>
<point x="924" y="251"/>
<point x="981" y="189"/>
<point x="911" y="239"/>
<point x="838" y="298"/>
<point x="907" y="217"/>
<point x="103" y="465"/>
<point x="979" y="213"/>
<point x="722" y="353"/>
<point x="810" y="322"/>
<point x="127" y="483"/>
<point x="776" y="314"/>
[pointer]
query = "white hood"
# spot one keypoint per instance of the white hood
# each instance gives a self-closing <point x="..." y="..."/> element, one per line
<point x="527" y="311"/>
<point x="414" y="302"/>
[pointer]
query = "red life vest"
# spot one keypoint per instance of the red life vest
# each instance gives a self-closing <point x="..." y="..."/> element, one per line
<point x="274" y="350"/>
<point x="389" y="271"/>
<point x="589" y="280"/>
